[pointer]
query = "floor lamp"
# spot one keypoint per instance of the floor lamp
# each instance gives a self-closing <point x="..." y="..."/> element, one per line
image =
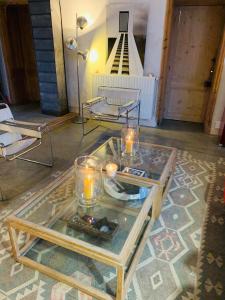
<point x="72" y="44"/>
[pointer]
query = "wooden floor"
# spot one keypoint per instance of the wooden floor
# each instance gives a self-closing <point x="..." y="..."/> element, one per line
<point x="17" y="177"/>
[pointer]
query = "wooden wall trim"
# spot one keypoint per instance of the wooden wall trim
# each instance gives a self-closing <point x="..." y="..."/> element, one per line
<point x="215" y="86"/>
<point x="164" y="60"/>
<point x="59" y="52"/>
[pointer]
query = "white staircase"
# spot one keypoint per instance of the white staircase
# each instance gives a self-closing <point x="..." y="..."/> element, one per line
<point x="124" y="58"/>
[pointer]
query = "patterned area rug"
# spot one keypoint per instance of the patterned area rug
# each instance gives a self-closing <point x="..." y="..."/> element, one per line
<point x="211" y="265"/>
<point x="167" y="269"/>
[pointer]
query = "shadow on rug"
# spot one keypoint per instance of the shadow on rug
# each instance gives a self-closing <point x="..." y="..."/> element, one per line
<point x="211" y="265"/>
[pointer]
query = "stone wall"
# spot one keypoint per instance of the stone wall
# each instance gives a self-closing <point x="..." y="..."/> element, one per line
<point x="52" y="84"/>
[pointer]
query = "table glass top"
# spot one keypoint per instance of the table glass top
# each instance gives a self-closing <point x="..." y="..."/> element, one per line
<point x="149" y="162"/>
<point x="57" y="206"/>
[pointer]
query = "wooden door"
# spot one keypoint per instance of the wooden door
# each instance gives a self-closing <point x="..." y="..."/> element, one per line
<point x="196" y="35"/>
<point x="21" y="65"/>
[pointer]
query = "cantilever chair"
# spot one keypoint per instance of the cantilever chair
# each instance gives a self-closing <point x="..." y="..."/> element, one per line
<point x="18" y="138"/>
<point x="111" y="104"/>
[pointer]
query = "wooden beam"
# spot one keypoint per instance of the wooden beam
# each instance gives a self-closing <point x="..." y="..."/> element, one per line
<point x="57" y="31"/>
<point x="164" y="60"/>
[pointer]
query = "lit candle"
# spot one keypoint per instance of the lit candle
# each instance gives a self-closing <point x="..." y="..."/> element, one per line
<point x="88" y="185"/>
<point x="129" y="144"/>
<point x="111" y="169"/>
<point x="131" y="132"/>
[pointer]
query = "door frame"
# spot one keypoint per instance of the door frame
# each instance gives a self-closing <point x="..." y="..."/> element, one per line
<point x="165" y="62"/>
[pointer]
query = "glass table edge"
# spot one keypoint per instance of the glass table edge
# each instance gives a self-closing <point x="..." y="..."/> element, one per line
<point x="14" y="216"/>
<point x="144" y="143"/>
<point x="144" y="181"/>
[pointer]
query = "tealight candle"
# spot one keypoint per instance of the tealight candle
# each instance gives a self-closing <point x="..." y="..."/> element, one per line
<point x="111" y="169"/>
<point x="131" y="132"/>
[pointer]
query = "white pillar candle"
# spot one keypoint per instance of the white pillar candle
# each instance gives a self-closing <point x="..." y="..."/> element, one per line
<point x="111" y="169"/>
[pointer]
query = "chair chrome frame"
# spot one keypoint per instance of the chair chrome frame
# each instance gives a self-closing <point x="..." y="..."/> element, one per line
<point x="124" y="111"/>
<point x="26" y="130"/>
<point x="14" y="126"/>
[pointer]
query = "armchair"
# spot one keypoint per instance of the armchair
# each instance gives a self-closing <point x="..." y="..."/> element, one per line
<point x="18" y="138"/>
<point x="111" y="104"/>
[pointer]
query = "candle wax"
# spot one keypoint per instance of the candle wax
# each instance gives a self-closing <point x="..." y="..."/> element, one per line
<point x="129" y="144"/>
<point x="88" y="187"/>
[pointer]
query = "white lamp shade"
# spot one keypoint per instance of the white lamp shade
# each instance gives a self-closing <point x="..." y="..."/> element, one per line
<point x="71" y="43"/>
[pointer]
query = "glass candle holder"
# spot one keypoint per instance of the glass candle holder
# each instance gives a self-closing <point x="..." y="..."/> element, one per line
<point x="129" y="141"/>
<point x="88" y="180"/>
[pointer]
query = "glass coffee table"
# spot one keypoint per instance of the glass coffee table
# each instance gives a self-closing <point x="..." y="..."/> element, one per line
<point x="46" y="234"/>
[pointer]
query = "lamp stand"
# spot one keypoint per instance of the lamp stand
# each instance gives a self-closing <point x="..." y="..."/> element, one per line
<point x="78" y="119"/>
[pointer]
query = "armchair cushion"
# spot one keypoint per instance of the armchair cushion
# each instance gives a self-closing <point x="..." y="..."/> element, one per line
<point x="113" y="102"/>
<point x="94" y="100"/>
<point x="16" y="147"/>
<point x="8" y="138"/>
<point x="101" y="108"/>
<point x="23" y="128"/>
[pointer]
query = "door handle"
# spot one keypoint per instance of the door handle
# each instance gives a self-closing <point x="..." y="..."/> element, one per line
<point x="208" y="83"/>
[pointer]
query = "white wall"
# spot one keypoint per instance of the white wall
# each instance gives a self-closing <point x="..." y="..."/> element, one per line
<point x="138" y="16"/>
<point x="154" y="39"/>
<point x="113" y="10"/>
<point x="95" y="37"/>
<point x="220" y="105"/>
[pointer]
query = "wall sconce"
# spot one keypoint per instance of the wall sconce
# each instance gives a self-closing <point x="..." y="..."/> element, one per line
<point x="83" y="54"/>
<point x="71" y="44"/>
<point x="93" y="56"/>
<point x="81" y="22"/>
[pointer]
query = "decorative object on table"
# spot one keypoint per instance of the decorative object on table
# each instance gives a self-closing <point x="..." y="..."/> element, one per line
<point x="133" y="171"/>
<point x="72" y="44"/>
<point x="111" y="169"/>
<point x="124" y="191"/>
<point x="129" y="141"/>
<point x="88" y="178"/>
<point x="100" y="228"/>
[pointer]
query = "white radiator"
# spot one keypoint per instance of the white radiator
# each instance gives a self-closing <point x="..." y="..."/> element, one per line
<point x="147" y="85"/>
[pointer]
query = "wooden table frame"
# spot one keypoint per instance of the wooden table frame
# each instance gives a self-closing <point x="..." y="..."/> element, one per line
<point x="153" y="202"/>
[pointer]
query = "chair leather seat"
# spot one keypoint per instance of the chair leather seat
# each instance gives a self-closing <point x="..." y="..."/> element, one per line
<point x="16" y="147"/>
<point x="102" y="108"/>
